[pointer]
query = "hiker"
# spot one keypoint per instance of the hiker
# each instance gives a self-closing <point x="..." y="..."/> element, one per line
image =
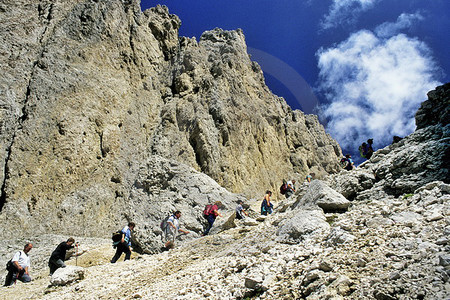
<point x="124" y="245"/>
<point x="347" y="162"/>
<point x="396" y="139"/>
<point x="369" y="150"/>
<point x="18" y="266"/>
<point x="210" y="213"/>
<point x="266" y="205"/>
<point x="290" y="188"/>
<point x="171" y="230"/>
<point x="366" y="150"/>
<point x="58" y="256"/>
<point x="309" y="177"/>
<point x="240" y="211"/>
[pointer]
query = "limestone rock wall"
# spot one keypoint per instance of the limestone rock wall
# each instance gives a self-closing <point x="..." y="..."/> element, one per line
<point x="91" y="91"/>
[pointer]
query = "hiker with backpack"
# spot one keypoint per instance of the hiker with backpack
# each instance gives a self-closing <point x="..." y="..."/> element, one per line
<point x="58" y="256"/>
<point x="347" y="162"/>
<point x="369" y="148"/>
<point x="366" y="149"/>
<point x="171" y="229"/>
<point x="18" y="266"/>
<point x="124" y="244"/>
<point x="266" y="205"/>
<point x="211" y="212"/>
<point x="290" y="188"/>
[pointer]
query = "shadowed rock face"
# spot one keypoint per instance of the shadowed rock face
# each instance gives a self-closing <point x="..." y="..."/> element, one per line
<point x="91" y="91"/>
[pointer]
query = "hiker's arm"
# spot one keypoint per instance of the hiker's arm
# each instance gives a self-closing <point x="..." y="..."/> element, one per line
<point x="26" y="270"/>
<point x="184" y="231"/>
<point x="19" y="267"/>
<point x="218" y="213"/>
<point x="123" y="238"/>
<point x="171" y="224"/>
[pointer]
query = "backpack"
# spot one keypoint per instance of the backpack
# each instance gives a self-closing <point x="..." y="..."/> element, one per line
<point x="9" y="265"/>
<point x="283" y="188"/>
<point x="117" y="236"/>
<point x="362" y="151"/>
<point x="344" y="162"/>
<point x="208" y="210"/>
<point x="163" y="224"/>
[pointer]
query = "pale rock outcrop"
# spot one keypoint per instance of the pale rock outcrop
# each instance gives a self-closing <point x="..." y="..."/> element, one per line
<point x="321" y="195"/>
<point x="67" y="275"/>
<point x="303" y="224"/>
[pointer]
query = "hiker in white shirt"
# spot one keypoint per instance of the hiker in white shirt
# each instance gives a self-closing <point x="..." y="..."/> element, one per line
<point x="18" y="268"/>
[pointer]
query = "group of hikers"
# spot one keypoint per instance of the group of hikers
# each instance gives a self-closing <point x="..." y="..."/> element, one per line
<point x="18" y="266"/>
<point x="365" y="151"/>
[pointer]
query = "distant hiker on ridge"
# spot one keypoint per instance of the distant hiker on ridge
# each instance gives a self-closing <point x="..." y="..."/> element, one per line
<point x="124" y="245"/>
<point x="210" y="213"/>
<point x="266" y="205"/>
<point x="18" y="266"/>
<point x="58" y="256"/>
<point x="366" y="149"/>
<point x="171" y="230"/>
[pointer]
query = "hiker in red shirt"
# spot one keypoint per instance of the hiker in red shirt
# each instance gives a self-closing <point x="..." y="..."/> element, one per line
<point x="210" y="213"/>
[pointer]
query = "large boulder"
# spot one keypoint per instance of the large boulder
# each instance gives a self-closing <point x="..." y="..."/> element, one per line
<point x="67" y="275"/>
<point x="303" y="224"/>
<point x="321" y="195"/>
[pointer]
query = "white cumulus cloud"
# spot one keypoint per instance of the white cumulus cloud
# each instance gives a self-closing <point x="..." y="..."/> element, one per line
<point x="404" y="21"/>
<point x="374" y="86"/>
<point x="343" y="12"/>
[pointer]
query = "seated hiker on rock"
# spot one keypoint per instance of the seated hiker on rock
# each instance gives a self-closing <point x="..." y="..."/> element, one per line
<point x="210" y="213"/>
<point x="58" y="256"/>
<point x="266" y="205"/>
<point x="171" y="230"/>
<point x="240" y="211"/>
<point x="290" y="188"/>
<point x="18" y="266"/>
<point x="124" y="245"/>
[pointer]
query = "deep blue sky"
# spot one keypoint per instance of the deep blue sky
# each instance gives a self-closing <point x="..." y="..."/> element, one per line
<point x="339" y="51"/>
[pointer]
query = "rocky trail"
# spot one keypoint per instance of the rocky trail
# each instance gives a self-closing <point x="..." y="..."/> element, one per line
<point x="390" y="248"/>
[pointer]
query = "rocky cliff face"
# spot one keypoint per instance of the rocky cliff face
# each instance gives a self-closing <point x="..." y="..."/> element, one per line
<point x="316" y="245"/>
<point x="94" y="92"/>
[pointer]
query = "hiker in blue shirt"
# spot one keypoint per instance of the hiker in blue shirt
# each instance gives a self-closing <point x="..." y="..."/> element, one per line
<point x="124" y="246"/>
<point x="349" y="162"/>
<point x="240" y="211"/>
